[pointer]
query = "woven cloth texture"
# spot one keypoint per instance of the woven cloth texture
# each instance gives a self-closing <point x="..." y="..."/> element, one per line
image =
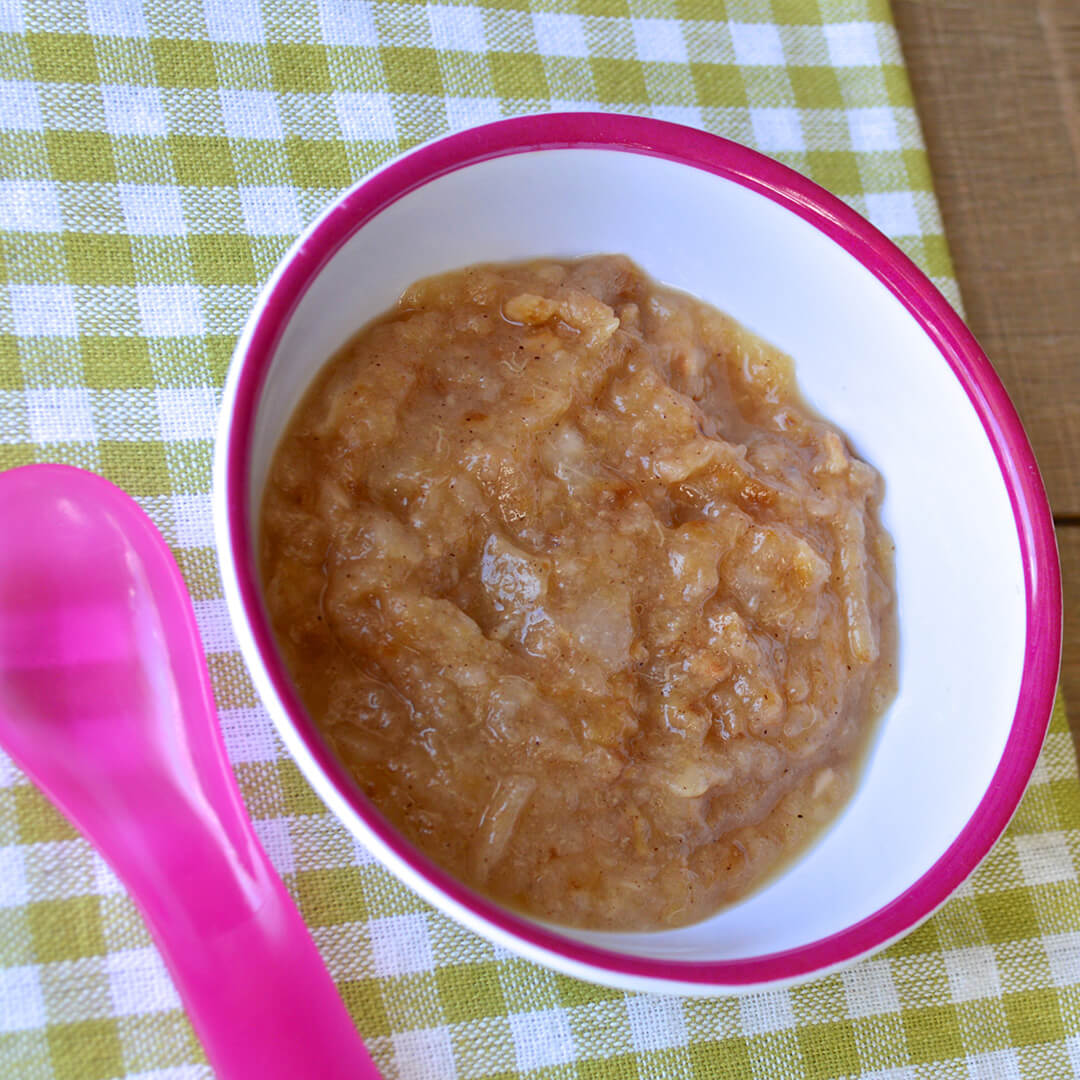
<point x="156" y="160"/>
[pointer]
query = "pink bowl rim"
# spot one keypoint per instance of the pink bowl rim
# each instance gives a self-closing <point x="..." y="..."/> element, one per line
<point x="958" y="347"/>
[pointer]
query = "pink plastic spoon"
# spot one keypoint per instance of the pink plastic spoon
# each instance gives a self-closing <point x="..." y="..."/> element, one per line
<point x="105" y="702"/>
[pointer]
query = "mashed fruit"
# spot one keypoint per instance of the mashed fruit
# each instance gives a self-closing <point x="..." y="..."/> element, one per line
<point x="595" y="608"/>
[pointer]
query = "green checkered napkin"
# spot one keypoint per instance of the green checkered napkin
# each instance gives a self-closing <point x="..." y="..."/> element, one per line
<point x="156" y="159"/>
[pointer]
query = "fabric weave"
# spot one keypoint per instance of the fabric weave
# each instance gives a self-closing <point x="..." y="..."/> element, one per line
<point x="156" y="159"/>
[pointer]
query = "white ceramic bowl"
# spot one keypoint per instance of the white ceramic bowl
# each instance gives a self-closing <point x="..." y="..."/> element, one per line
<point x="878" y="351"/>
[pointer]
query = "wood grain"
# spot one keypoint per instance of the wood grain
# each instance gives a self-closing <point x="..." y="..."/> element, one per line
<point x="997" y="84"/>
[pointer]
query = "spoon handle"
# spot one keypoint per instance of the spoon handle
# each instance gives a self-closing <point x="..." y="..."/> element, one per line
<point x="258" y="994"/>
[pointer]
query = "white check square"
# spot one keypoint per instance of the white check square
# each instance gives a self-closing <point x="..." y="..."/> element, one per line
<point x="873" y="129"/>
<point x="869" y="989"/>
<point x="234" y="20"/>
<point x="542" y="1039"/>
<point x="59" y="414"/>
<point x="29" y="206"/>
<point x="893" y="212"/>
<point x="852" y="44"/>
<point x="139" y="982"/>
<point x="43" y="310"/>
<point x="250" y="114"/>
<point x="11" y="17"/>
<point x="248" y="735"/>
<point x="273" y="834"/>
<point x="757" y="44"/>
<point x="22" y="1005"/>
<point x="400" y="945"/>
<point x="116" y="18"/>
<point x="777" y="129"/>
<point x="270" y="211"/>
<point x="170" y="310"/>
<point x="348" y="22"/>
<point x="1063" y="954"/>
<point x="458" y="28"/>
<point x="659" y="40"/>
<point x="972" y="973"/>
<point x="463" y="112"/>
<point x="365" y="116"/>
<point x="133" y="110"/>
<point x="559" y="34"/>
<point x="765" y="1011"/>
<point x="194" y="520"/>
<point x="152" y="209"/>
<point x="1044" y="858"/>
<point x="178" y="1072"/>
<point x="994" y="1065"/>
<point x="656" y="1023"/>
<point x="13" y="890"/>
<point x="20" y="109"/>
<point x="425" y="1054"/>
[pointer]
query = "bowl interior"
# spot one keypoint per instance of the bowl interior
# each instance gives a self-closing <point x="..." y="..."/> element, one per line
<point x="864" y="362"/>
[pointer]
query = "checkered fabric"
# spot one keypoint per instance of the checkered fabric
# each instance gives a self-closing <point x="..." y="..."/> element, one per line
<point x="156" y="159"/>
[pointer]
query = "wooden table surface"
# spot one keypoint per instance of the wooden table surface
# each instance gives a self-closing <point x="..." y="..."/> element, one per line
<point x="997" y="84"/>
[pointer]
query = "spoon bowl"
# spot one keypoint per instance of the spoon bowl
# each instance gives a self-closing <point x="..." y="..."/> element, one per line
<point x="106" y="703"/>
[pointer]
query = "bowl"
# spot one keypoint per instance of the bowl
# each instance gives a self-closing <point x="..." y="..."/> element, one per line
<point x="878" y="351"/>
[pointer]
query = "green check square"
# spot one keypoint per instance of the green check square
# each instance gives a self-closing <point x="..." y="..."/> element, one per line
<point x="219" y="350"/>
<point x="99" y="259"/>
<point x="1063" y="792"/>
<point x="1034" y="1016"/>
<point x="705" y="11"/>
<point x="63" y="58"/>
<point x="1007" y="915"/>
<point x="917" y="167"/>
<point x="140" y="468"/>
<point x="897" y="85"/>
<point x="837" y="170"/>
<point x="719" y="85"/>
<point x="115" y="362"/>
<point x="364" y="1000"/>
<point x="222" y="260"/>
<point x="470" y="991"/>
<point x="828" y="1050"/>
<point x="299" y="69"/>
<point x="12" y="455"/>
<point x="923" y="939"/>
<point x="200" y="570"/>
<point x="202" y="160"/>
<point x="81" y="155"/>
<point x="87" y="1050"/>
<point x="796" y="12"/>
<point x="612" y="9"/>
<point x="66" y="929"/>
<point x="183" y="62"/>
<point x="815" y="87"/>
<point x="318" y="162"/>
<point x="720" y="1059"/>
<point x="573" y="992"/>
<point x="933" y="1033"/>
<point x="332" y="896"/>
<point x="617" y="1067"/>
<point x="11" y="373"/>
<point x="412" y="71"/>
<point x="518" y="76"/>
<point x="619" y="81"/>
<point x="39" y="822"/>
<point x="299" y="798"/>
